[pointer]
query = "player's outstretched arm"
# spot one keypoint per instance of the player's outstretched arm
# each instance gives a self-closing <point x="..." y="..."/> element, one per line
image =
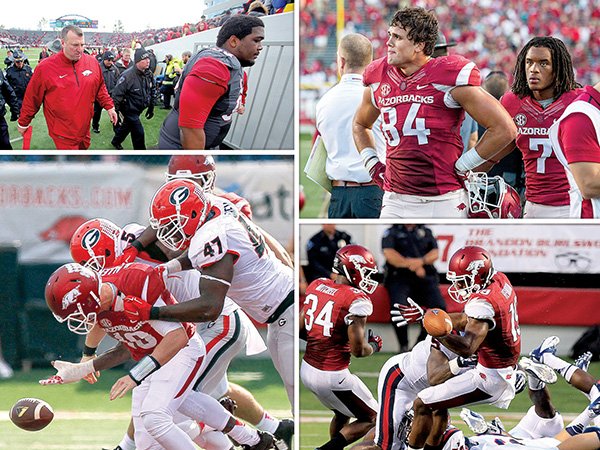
<point x="467" y="344"/>
<point x="500" y="133"/>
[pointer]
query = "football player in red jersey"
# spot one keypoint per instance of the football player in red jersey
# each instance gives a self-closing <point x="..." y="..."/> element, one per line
<point x="333" y="324"/>
<point x="421" y="101"/>
<point x="544" y="85"/>
<point x="491" y="328"/>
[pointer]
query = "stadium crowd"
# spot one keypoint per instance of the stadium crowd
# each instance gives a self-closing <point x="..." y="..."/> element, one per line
<point x="488" y="32"/>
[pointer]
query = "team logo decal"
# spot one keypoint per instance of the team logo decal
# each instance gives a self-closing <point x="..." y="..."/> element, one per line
<point x="520" y="119"/>
<point x="90" y="239"/>
<point x="475" y="265"/>
<point x="105" y="323"/>
<point x="87" y="73"/>
<point x="70" y="297"/>
<point x="282" y="322"/>
<point x="179" y="195"/>
<point x="385" y="89"/>
<point x="403" y="85"/>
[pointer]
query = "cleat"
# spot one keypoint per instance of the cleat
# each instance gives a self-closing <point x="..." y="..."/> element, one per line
<point x="520" y="381"/>
<point x="548" y="345"/>
<point x="496" y="426"/>
<point x="229" y="404"/>
<point x="266" y="441"/>
<point x="538" y="370"/>
<point x="474" y="421"/>
<point x="283" y="434"/>
<point x="118" y="447"/>
<point x="583" y="362"/>
<point x="594" y="407"/>
<point x="96" y="130"/>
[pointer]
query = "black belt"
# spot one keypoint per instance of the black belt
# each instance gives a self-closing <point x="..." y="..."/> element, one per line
<point x="283" y="306"/>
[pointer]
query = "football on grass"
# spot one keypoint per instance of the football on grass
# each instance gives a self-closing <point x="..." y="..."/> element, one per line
<point x="31" y="414"/>
<point x="437" y="322"/>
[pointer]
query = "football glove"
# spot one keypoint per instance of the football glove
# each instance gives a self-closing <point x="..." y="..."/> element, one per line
<point x="136" y="309"/>
<point x="67" y="372"/>
<point x="129" y="255"/>
<point x="405" y="314"/>
<point x="374" y="341"/>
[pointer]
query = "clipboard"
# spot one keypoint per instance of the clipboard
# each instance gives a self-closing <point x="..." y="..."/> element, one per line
<point x="315" y="166"/>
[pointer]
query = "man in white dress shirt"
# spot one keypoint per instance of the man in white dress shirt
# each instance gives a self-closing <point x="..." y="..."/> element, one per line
<point x="354" y="194"/>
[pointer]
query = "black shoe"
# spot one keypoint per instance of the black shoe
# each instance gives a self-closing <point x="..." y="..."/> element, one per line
<point x="96" y="130"/>
<point x="266" y="441"/>
<point x="118" y="447"/>
<point x="284" y="433"/>
<point x="117" y="146"/>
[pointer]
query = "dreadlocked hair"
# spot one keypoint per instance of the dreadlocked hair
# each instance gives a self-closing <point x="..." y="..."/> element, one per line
<point x="562" y="67"/>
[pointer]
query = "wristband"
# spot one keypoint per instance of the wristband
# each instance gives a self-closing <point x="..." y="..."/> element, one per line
<point x="89" y="351"/>
<point x="454" y="368"/>
<point x="469" y="160"/>
<point x="369" y="157"/>
<point x="143" y="369"/>
<point x="154" y="313"/>
<point x="137" y="245"/>
<point x="173" y="266"/>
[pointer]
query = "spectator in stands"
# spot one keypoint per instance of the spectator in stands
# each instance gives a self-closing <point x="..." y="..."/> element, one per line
<point x="410" y="251"/>
<point x="18" y="76"/>
<point x="110" y="74"/>
<point x="257" y="9"/>
<point x="123" y="63"/>
<point x="7" y="95"/>
<point x="210" y="89"/>
<point x="133" y="93"/>
<point x="321" y="250"/>
<point x="67" y="84"/>
<point x="225" y="17"/>
<point x="174" y="66"/>
<point x="44" y="53"/>
<point x="202" y="25"/>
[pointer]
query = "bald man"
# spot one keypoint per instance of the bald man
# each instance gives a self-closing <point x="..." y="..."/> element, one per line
<point x="354" y="194"/>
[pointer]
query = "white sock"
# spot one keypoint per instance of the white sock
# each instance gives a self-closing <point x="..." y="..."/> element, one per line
<point x="594" y="393"/>
<point x="268" y="423"/>
<point x="535" y="384"/>
<point x="557" y="364"/>
<point x="581" y="421"/>
<point x="414" y="448"/>
<point x="127" y="443"/>
<point x="243" y="434"/>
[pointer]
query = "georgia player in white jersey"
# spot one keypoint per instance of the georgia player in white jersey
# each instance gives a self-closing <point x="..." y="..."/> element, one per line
<point x="233" y="259"/>
<point x="169" y="355"/>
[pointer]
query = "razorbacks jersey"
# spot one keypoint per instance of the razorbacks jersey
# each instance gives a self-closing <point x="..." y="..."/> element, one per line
<point x="327" y="307"/>
<point x="139" y="280"/>
<point x="545" y="179"/>
<point x="421" y="122"/>
<point x="497" y="304"/>
<point x="586" y="111"/>
<point x="260" y="281"/>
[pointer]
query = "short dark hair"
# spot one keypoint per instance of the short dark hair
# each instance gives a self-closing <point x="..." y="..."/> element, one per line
<point x="562" y="67"/>
<point x="75" y="29"/>
<point x="239" y="26"/>
<point x="421" y="26"/>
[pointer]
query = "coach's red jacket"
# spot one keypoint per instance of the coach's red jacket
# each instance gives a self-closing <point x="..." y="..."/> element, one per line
<point x="68" y="90"/>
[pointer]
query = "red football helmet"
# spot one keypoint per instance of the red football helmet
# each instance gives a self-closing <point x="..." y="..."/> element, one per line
<point x="199" y="168"/>
<point x="94" y="244"/>
<point x="357" y="264"/>
<point x="491" y="197"/>
<point x="72" y="294"/>
<point x="176" y="211"/>
<point x="470" y="269"/>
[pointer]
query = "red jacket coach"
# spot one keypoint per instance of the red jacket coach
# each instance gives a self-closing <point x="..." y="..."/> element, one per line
<point x="67" y="84"/>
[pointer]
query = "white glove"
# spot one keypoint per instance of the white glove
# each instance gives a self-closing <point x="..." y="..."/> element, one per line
<point x="406" y="314"/>
<point x="67" y="372"/>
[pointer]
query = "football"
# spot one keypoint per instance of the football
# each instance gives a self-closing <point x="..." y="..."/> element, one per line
<point x="437" y="322"/>
<point x="31" y="414"/>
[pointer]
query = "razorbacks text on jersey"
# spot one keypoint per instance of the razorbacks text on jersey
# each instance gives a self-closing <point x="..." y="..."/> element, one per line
<point x="260" y="281"/>
<point x="497" y="303"/>
<point x="328" y="306"/>
<point x="139" y="280"/>
<point x="421" y="122"/>
<point x="545" y="179"/>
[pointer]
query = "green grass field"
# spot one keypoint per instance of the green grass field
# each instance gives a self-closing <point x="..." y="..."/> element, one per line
<point x="315" y="194"/>
<point x="86" y="420"/>
<point x="314" y="418"/>
<point x="41" y="141"/>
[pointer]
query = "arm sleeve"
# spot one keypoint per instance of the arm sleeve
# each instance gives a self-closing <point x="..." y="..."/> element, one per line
<point x="203" y="86"/>
<point x="118" y="92"/>
<point x="9" y="95"/>
<point x="579" y="139"/>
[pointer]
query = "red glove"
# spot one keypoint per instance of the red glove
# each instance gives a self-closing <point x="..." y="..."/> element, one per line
<point x="377" y="172"/>
<point x="136" y="309"/>
<point x="163" y="272"/>
<point x="129" y="255"/>
<point x="374" y="341"/>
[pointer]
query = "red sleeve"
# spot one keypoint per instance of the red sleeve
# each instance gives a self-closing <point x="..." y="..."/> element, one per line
<point x="103" y="97"/>
<point x="34" y="95"/>
<point x="207" y="81"/>
<point x="245" y="89"/>
<point x="578" y="137"/>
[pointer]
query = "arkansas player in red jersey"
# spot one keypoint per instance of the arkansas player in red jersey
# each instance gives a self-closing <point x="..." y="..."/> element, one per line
<point x="333" y="324"/>
<point x="544" y="85"/>
<point x="491" y="329"/>
<point x="421" y="101"/>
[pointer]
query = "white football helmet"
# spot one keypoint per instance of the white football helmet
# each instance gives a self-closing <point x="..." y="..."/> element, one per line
<point x="491" y="197"/>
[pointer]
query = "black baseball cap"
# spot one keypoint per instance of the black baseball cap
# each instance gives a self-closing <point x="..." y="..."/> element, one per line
<point x="442" y="43"/>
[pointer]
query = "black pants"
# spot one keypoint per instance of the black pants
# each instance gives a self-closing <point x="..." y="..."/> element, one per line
<point x="4" y="137"/>
<point x="133" y="125"/>
<point x="355" y="202"/>
<point x="97" y="115"/>
<point x="168" y="90"/>
<point x="424" y="291"/>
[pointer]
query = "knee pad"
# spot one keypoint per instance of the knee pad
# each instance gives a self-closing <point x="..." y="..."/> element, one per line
<point x="156" y="422"/>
